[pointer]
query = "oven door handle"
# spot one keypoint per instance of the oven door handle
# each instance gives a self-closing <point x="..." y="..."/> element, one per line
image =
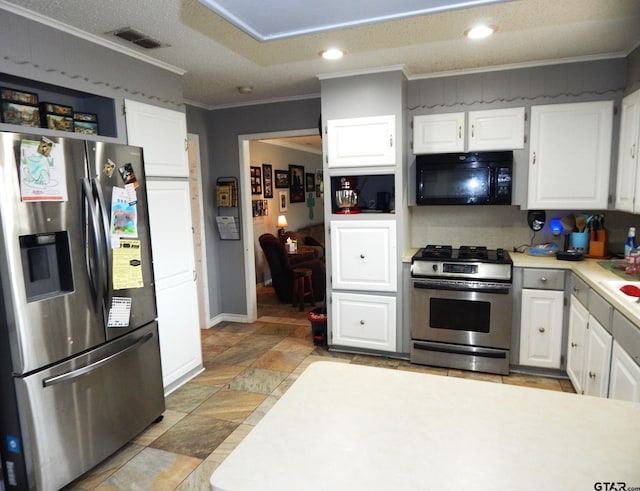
<point x="500" y="290"/>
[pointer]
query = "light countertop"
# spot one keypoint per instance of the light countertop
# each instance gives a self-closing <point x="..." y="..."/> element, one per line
<point x="343" y="426"/>
<point x="603" y="281"/>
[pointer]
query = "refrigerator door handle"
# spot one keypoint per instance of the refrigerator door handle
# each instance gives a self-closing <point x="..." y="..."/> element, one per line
<point x="95" y="276"/>
<point x="69" y="376"/>
<point x="102" y="208"/>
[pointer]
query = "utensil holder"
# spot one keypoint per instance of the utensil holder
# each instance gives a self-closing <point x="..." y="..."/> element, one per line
<point x="580" y="241"/>
<point x="598" y="247"/>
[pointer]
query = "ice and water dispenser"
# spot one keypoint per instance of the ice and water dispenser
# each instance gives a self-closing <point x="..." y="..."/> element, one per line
<point x="46" y="265"/>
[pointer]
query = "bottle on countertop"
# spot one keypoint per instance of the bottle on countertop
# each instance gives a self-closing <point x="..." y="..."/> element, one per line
<point x="630" y="244"/>
<point x="631" y="253"/>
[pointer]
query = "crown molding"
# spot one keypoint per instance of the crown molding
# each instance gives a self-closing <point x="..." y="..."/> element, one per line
<point x="74" y="31"/>
<point x="515" y="66"/>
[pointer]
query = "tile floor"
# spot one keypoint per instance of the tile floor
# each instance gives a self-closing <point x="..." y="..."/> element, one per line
<point x="247" y="368"/>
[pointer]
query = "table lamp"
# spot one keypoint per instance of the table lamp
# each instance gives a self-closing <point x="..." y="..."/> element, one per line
<point x="282" y="223"/>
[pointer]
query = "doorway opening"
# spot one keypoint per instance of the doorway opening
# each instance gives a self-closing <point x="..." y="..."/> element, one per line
<point x="300" y="139"/>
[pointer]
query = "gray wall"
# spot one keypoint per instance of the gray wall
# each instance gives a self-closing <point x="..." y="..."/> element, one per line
<point x="226" y="257"/>
<point x="34" y="51"/>
<point x="297" y="214"/>
<point x="633" y="71"/>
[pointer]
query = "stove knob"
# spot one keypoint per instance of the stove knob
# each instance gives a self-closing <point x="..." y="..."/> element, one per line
<point x="434" y="267"/>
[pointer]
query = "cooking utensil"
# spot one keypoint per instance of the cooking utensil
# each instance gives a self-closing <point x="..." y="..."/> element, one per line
<point x="568" y="223"/>
<point x="581" y="223"/>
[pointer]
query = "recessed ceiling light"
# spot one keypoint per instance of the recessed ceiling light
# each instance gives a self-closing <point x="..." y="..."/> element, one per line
<point x="481" y="31"/>
<point x="332" y="54"/>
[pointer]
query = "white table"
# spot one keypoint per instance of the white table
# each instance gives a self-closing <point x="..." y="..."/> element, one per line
<point x="350" y="427"/>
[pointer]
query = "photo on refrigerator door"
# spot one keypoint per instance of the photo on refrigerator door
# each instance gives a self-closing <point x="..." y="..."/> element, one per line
<point x="42" y="171"/>
<point x="124" y="216"/>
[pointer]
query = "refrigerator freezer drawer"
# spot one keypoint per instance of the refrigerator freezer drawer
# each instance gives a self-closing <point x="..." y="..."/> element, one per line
<point x="76" y="414"/>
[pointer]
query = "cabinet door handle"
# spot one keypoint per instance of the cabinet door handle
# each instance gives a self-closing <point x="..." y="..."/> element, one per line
<point x="473" y="130"/>
<point x="534" y="158"/>
<point x="362" y="323"/>
<point x="391" y="140"/>
<point x="361" y="256"/>
<point x="574" y="345"/>
<point x="633" y="151"/>
<point x="541" y="329"/>
<point x="543" y="279"/>
<point x="592" y="375"/>
<point x="459" y="131"/>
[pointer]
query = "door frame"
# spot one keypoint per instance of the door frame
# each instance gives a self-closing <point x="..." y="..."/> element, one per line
<point x="246" y="211"/>
<point x="194" y="139"/>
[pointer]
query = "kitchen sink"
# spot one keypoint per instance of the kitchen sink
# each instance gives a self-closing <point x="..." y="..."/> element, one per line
<point x="614" y="286"/>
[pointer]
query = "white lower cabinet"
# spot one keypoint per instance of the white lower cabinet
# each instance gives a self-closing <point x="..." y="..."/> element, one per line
<point x="624" y="381"/>
<point x="541" y="328"/>
<point x="364" y="321"/>
<point x="597" y="359"/>
<point x="588" y="353"/>
<point x="364" y="255"/>
<point x="578" y="320"/>
<point x="625" y="360"/>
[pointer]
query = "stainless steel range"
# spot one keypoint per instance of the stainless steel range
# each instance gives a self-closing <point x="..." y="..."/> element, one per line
<point x="461" y="308"/>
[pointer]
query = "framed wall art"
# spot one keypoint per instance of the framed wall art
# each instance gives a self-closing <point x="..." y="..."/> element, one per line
<point x="310" y="182"/>
<point x="282" y="199"/>
<point x="256" y="180"/>
<point x="296" y="183"/>
<point x="282" y="178"/>
<point x="319" y="187"/>
<point x="267" y="180"/>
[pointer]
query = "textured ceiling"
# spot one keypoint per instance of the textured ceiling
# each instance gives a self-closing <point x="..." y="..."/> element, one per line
<point x="218" y="57"/>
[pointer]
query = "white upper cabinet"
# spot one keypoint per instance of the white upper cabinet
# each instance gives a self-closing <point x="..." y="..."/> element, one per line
<point x="438" y="133"/>
<point x="492" y="129"/>
<point x="147" y="126"/>
<point x="570" y="156"/>
<point x="496" y="129"/>
<point x="361" y="142"/>
<point x="628" y="177"/>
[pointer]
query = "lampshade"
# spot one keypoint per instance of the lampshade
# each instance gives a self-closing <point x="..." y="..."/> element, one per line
<point x="282" y="221"/>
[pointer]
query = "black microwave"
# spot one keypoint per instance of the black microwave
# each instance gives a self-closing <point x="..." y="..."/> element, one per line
<point x="479" y="178"/>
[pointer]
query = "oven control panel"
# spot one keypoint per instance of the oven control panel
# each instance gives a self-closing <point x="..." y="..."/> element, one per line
<point x="460" y="268"/>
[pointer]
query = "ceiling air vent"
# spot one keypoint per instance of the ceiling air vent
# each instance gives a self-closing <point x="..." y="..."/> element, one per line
<point x="137" y="37"/>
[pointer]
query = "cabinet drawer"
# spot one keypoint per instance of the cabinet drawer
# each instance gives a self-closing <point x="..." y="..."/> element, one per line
<point x="580" y="290"/>
<point x="600" y="309"/>
<point x="363" y="321"/>
<point x="543" y="279"/>
<point x="627" y="335"/>
<point x="363" y="255"/>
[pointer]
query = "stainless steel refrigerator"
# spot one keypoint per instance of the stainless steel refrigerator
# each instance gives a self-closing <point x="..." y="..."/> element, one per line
<point x="80" y="372"/>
